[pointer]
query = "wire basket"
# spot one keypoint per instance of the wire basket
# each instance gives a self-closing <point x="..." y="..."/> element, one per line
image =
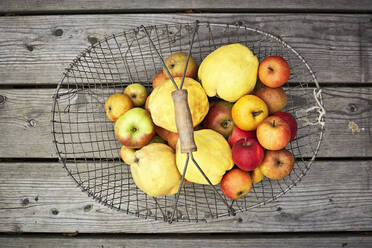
<point x="84" y="137"/>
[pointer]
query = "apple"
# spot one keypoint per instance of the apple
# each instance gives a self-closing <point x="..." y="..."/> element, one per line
<point x="159" y="79"/>
<point x="219" y="118"/>
<point x="247" y="154"/>
<point x="238" y="134"/>
<point x="257" y="175"/>
<point x="157" y="139"/>
<point x="128" y="155"/>
<point x="176" y="63"/>
<point x="162" y="132"/>
<point x="275" y="98"/>
<point x="248" y="112"/>
<point x="290" y="120"/>
<point x="137" y="93"/>
<point x="173" y="139"/>
<point x="273" y="133"/>
<point x="134" y="129"/>
<point x="116" y="105"/>
<point x="236" y="184"/>
<point x="277" y="164"/>
<point x="274" y="71"/>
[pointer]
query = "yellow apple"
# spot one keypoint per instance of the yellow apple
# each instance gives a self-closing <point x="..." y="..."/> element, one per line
<point x="116" y="105"/>
<point x="176" y="63"/>
<point x="248" y="112"/>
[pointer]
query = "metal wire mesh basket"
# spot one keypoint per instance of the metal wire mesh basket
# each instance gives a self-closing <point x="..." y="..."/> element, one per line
<point x="85" y="141"/>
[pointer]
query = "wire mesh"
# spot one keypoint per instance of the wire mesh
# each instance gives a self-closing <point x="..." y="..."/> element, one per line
<point x="84" y="137"/>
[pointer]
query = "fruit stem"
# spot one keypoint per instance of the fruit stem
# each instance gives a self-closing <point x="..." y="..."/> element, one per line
<point x="274" y="124"/>
<point x="256" y="113"/>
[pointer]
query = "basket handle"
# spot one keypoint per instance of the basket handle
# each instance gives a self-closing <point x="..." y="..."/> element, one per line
<point x="184" y="121"/>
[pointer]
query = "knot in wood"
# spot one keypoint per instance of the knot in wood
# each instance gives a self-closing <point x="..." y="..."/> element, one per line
<point x="2" y="99"/>
<point x="353" y="107"/>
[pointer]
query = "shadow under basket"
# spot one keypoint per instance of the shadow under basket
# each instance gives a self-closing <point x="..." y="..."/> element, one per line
<point x="85" y="141"/>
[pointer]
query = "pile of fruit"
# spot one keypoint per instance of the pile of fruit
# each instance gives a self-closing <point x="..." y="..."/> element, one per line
<point x="239" y="131"/>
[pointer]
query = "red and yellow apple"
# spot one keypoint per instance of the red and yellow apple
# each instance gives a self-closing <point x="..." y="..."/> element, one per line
<point x="248" y="112"/>
<point x="236" y="184"/>
<point x="159" y="79"/>
<point x="277" y="164"/>
<point x="273" y="133"/>
<point x="134" y="129"/>
<point x="274" y="71"/>
<point x="219" y="118"/>
<point x="173" y="139"/>
<point x="176" y="63"/>
<point x="137" y="93"/>
<point x="247" y="154"/>
<point x="116" y="105"/>
<point x="291" y="122"/>
<point x="275" y="98"/>
<point x="238" y="134"/>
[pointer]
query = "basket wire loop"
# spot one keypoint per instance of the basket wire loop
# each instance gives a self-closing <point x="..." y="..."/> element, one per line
<point x="171" y="218"/>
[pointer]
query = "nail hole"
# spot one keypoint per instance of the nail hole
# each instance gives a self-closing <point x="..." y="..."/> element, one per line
<point x="30" y="47"/>
<point x="58" y="32"/>
<point x="92" y="40"/>
<point x="54" y="211"/>
<point x="88" y="207"/>
<point x="25" y="201"/>
<point x="31" y="123"/>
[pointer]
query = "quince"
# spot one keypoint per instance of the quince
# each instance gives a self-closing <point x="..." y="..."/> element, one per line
<point x="161" y="107"/>
<point x="229" y="72"/>
<point x="213" y="156"/>
<point x="154" y="170"/>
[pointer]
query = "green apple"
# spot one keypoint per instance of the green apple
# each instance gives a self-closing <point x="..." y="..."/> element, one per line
<point x="137" y="93"/>
<point x="135" y="128"/>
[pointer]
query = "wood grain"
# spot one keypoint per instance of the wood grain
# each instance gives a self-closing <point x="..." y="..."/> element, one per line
<point x="90" y="6"/>
<point x="40" y="197"/>
<point x="237" y="241"/>
<point x="36" y="49"/>
<point x="25" y="118"/>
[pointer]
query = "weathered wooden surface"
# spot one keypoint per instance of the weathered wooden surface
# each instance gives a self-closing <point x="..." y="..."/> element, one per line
<point x="40" y="197"/>
<point x="357" y="241"/>
<point x="36" y="49"/>
<point x="25" y="117"/>
<point x="8" y="6"/>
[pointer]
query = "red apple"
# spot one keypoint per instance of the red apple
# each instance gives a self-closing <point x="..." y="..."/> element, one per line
<point x="162" y="132"/>
<point x="137" y="93"/>
<point x="236" y="184"/>
<point x="134" y="129"/>
<point x="273" y="133"/>
<point x="274" y="71"/>
<point x="238" y="134"/>
<point x="247" y="154"/>
<point x="275" y="98"/>
<point x="159" y="79"/>
<point x="290" y="120"/>
<point x="219" y="118"/>
<point x="173" y="139"/>
<point x="277" y="164"/>
<point x="176" y="63"/>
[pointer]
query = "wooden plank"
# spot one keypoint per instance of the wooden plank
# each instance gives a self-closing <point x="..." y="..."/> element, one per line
<point x="40" y="197"/>
<point x="179" y="241"/>
<point x="38" y="48"/>
<point x="26" y="128"/>
<point x="118" y="6"/>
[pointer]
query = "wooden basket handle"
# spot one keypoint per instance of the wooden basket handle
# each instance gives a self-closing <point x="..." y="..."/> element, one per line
<point x="184" y="121"/>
